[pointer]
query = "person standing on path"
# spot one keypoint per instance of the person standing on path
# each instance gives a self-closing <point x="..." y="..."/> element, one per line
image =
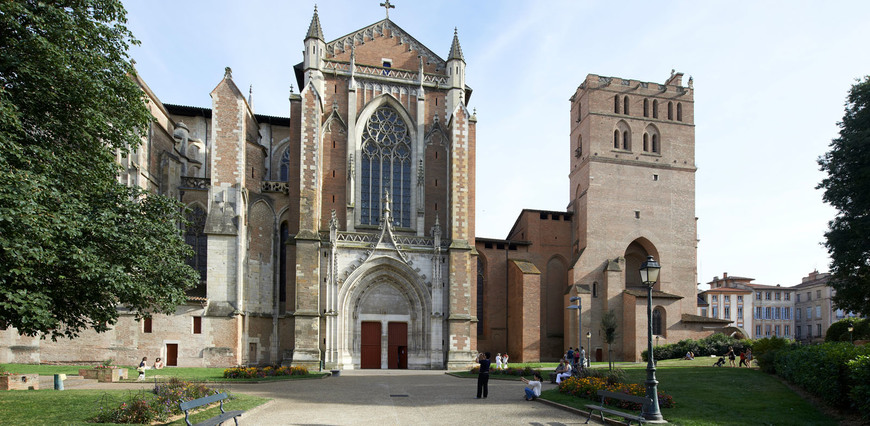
<point x="483" y="374"/>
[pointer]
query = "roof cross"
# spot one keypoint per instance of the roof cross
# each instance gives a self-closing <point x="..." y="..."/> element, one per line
<point x="386" y="5"/>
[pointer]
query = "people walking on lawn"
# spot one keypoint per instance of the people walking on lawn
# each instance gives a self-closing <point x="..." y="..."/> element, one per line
<point x="504" y="360"/>
<point x="742" y="359"/>
<point x="749" y="358"/>
<point x="731" y="356"/>
<point x="483" y="374"/>
<point x="534" y="389"/>
<point x="498" y="365"/>
<point x="143" y="365"/>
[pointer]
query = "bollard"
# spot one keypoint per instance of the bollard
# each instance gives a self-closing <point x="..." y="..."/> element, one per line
<point x="58" y="381"/>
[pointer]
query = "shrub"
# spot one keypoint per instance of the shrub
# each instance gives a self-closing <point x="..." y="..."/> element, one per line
<point x="839" y="331"/>
<point x="140" y="408"/>
<point x="716" y="344"/>
<point x="859" y="375"/>
<point x="765" y="350"/>
<point x="823" y="370"/>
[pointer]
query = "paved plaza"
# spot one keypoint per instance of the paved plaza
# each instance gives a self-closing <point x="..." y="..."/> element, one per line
<point x="385" y="397"/>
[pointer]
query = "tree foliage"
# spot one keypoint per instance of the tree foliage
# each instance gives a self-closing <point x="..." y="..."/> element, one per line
<point x="608" y="326"/>
<point x="74" y="242"/>
<point x="847" y="188"/>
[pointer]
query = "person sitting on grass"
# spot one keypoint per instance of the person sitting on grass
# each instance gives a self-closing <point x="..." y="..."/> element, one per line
<point x="689" y="356"/>
<point x="534" y="389"/>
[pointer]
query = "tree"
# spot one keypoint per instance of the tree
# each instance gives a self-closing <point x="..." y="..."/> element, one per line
<point x="75" y="244"/>
<point x="847" y="188"/>
<point x="608" y="326"/>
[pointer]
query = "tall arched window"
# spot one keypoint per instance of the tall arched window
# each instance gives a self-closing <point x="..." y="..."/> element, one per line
<point x="626" y="141"/>
<point x="655" y="108"/>
<point x="386" y="166"/>
<point x="284" y="168"/>
<point x="679" y="111"/>
<point x="625" y="103"/>
<point x="670" y="110"/>
<point x="646" y="142"/>
<point x="616" y="139"/>
<point x="194" y="236"/>
<point x="616" y="104"/>
<point x="282" y="262"/>
<point x="655" y="143"/>
<point x="646" y="107"/>
<point x="657" y="321"/>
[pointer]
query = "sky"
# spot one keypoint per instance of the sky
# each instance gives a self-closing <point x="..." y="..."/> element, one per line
<point x="770" y="80"/>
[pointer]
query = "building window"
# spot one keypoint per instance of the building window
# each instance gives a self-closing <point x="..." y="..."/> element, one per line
<point x="740" y="312"/>
<point x="726" y="312"/>
<point x="767" y="312"/>
<point x="625" y="103"/>
<point x="818" y="311"/>
<point x="646" y="142"/>
<point x="797" y="313"/>
<point x="787" y="297"/>
<point x="776" y="313"/>
<point x="758" y="312"/>
<point x="819" y="330"/>
<point x="757" y="295"/>
<point x="767" y="330"/>
<point x="679" y="111"/>
<point x="626" y="140"/>
<point x="670" y="110"/>
<point x="727" y="298"/>
<point x="757" y="331"/>
<point x="194" y="236"/>
<point x="739" y="299"/>
<point x="595" y="289"/>
<point x="798" y="298"/>
<point x="655" y="108"/>
<point x="797" y="332"/>
<point x="809" y="332"/>
<point x="767" y="295"/>
<point x="715" y="298"/>
<point x="197" y="325"/>
<point x="776" y="331"/>
<point x="778" y="296"/>
<point x="657" y="321"/>
<point x="616" y="104"/>
<point x="655" y="143"/>
<point x="284" y="167"/>
<point x="616" y="139"/>
<point x="787" y="330"/>
<point x="146" y="325"/>
<point x="809" y="296"/>
<point x="386" y="166"/>
<point x="786" y="313"/>
<point x="704" y="312"/>
<point x="715" y="312"/>
<point x="818" y="294"/>
<point x="809" y="313"/>
<point x="646" y="107"/>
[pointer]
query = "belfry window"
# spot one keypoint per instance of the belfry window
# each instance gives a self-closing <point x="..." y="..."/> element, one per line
<point x="679" y="111"/>
<point x="616" y="139"/>
<point x="616" y="104"/>
<point x="670" y="110"/>
<point x="655" y="108"/>
<point x="625" y="106"/>
<point x="386" y="166"/>
<point x="646" y="107"/>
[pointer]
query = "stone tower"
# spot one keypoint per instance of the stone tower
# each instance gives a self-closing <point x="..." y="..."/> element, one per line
<point x="632" y="194"/>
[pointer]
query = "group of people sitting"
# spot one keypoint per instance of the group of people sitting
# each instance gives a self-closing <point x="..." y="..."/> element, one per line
<point x="143" y="365"/>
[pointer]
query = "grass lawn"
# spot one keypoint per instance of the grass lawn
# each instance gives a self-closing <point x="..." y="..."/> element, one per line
<point x="76" y="407"/>
<point x="196" y="374"/>
<point x="707" y="395"/>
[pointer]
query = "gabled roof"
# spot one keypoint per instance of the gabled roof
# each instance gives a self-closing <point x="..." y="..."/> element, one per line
<point x="359" y="36"/>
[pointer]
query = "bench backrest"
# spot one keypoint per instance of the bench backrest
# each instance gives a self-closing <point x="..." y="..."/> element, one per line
<point x="623" y="397"/>
<point x="202" y="401"/>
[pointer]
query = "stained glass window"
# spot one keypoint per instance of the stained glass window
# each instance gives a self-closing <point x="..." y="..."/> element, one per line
<point x="386" y="166"/>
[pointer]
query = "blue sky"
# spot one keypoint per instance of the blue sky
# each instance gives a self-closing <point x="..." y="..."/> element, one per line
<point x="770" y="84"/>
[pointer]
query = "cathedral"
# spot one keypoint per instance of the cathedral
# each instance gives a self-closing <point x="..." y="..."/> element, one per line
<point x="342" y="236"/>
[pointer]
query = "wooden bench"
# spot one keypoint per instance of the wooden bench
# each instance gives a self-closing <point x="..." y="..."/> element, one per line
<point x="199" y="402"/>
<point x="619" y="396"/>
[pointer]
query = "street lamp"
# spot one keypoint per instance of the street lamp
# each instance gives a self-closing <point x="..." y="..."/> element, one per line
<point x="851" y="329"/>
<point x="589" y="351"/>
<point x="649" y="274"/>
<point x="579" y="319"/>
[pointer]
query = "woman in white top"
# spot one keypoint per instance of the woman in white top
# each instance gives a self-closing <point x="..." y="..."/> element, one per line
<point x="564" y="371"/>
<point x="498" y="361"/>
<point x="534" y="389"/>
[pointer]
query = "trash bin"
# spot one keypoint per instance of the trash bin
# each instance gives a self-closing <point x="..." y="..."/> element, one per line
<point x="58" y="381"/>
<point x="335" y="373"/>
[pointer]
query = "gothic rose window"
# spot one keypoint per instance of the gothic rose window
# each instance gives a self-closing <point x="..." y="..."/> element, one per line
<point x="386" y="166"/>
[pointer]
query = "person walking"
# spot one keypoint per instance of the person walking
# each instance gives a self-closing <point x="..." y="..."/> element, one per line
<point x="483" y="375"/>
<point x="498" y="365"/>
<point x="742" y="359"/>
<point x="143" y="365"/>
<point x="731" y="356"/>
<point x="749" y="358"/>
<point x="580" y="357"/>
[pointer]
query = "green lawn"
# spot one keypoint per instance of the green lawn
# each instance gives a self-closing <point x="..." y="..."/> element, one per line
<point x="706" y="395"/>
<point x="197" y="374"/>
<point x="76" y="407"/>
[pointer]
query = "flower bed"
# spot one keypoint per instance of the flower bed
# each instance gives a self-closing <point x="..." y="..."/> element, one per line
<point x="143" y="408"/>
<point x="260" y="372"/>
<point x="588" y="387"/>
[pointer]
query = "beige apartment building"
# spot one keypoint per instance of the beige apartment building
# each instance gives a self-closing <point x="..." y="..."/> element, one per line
<point x="755" y="310"/>
<point x="815" y="311"/>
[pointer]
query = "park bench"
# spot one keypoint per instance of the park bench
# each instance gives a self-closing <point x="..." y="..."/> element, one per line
<point x="199" y="402"/>
<point x="601" y="409"/>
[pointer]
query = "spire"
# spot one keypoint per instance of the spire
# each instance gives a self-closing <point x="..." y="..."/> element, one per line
<point x="314" y="30"/>
<point x="455" y="50"/>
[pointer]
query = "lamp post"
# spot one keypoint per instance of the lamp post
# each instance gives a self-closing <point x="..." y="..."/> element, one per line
<point x="589" y="351"/>
<point x="649" y="274"/>
<point x="579" y="319"/>
<point x="851" y="329"/>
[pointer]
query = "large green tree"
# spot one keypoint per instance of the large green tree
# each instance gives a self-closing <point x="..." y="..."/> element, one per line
<point x="74" y="243"/>
<point x="847" y="188"/>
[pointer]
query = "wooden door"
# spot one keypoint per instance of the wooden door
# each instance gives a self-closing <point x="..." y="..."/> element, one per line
<point x="172" y="354"/>
<point x="397" y="345"/>
<point x="370" y="345"/>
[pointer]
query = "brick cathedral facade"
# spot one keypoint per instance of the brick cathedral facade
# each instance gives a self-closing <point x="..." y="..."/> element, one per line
<point x="343" y="235"/>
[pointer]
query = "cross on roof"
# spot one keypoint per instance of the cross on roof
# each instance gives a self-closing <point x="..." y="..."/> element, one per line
<point x="386" y="5"/>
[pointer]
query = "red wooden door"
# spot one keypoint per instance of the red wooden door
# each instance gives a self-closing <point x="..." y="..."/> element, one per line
<point x="370" y="345"/>
<point x="172" y="354"/>
<point x="397" y="345"/>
